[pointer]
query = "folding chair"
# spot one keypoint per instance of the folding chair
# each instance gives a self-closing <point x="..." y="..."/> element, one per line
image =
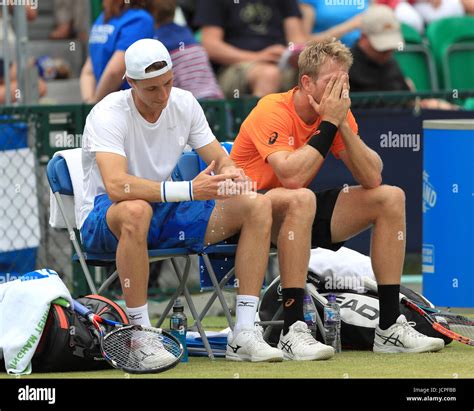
<point x="61" y="184"/>
<point x="189" y="165"/>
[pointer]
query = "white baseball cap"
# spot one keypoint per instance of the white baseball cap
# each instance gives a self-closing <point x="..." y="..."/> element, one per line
<point x="142" y="54"/>
<point x="382" y="28"/>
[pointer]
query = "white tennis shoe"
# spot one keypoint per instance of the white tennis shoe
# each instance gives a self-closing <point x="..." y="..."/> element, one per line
<point x="149" y="353"/>
<point x="249" y="345"/>
<point x="299" y="345"/>
<point x="401" y="337"/>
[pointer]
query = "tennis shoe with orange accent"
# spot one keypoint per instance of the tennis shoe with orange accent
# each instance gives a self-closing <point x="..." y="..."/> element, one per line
<point x="299" y="345"/>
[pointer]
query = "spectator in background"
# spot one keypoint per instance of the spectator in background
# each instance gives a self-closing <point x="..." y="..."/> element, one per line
<point x="328" y="19"/>
<point x="42" y="87"/>
<point x="120" y="24"/>
<point x="374" y="67"/>
<point x="247" y="39"/>
<point x="418" y="13"/>
<point x="71" y="19"/>
<point x="468" y="6"/>
<point x="31" y="14"/>
<point x="191" y="68"/>
<point x="432" y="10"/>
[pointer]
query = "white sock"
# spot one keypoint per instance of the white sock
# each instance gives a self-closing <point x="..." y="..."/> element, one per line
<point x="139" y="315"/>
<point x="246" y="308"/>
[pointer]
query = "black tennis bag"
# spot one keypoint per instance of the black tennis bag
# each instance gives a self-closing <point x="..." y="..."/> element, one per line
<point x="359" y="312"/>
<point x="68" y="342"/>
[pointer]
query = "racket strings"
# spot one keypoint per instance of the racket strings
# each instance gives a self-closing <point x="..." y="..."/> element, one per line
<point x="137" y="349"/>
<point x="459" y="324"/>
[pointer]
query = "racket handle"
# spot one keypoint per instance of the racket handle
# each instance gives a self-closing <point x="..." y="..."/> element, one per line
<point x="81" y="309"/>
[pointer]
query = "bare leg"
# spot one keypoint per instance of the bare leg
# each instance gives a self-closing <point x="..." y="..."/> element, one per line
<point x="293" y="216"/>
<point x="130" y="221"/>
<point x="384" y="208"/>
<point x="251" y="215"/>
<point x="264" y="78"/>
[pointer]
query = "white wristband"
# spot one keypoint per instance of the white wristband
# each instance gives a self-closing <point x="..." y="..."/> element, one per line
<point x="175" y="191"/>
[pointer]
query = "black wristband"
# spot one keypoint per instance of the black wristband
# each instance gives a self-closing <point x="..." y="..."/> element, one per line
<point x="323" y="140"/>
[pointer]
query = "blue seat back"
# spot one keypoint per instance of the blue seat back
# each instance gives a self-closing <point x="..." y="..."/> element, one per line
<point x="190" y="164"/>
<point x="58" y="176"/>
<point x="187" y="167"/>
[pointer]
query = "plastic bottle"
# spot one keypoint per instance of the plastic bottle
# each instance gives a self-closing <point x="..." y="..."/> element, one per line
<point x="332" y="323"/>
<point x="179" y="326"/>
<point x="309" y="310"/>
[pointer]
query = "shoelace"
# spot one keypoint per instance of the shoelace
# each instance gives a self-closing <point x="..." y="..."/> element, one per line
<point x="408" y="327"/>
<point x="258" y="340"/>
<point x="305" y="337"/>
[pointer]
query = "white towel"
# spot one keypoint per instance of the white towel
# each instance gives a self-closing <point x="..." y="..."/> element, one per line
<point x="344" y="267"/>
<point x="72" y="205"/>
<point x="24" y="307"/>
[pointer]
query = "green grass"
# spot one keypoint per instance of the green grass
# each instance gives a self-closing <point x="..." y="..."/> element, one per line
<point x="455" y="361"/>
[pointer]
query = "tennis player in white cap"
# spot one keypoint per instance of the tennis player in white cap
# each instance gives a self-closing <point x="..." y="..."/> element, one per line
<point x="132" y="142"/>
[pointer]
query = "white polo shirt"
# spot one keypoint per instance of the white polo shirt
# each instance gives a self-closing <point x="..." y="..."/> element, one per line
<point x="152" y="149"/>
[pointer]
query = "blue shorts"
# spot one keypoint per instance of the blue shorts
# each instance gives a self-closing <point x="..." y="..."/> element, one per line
<point x="173" y="225"/>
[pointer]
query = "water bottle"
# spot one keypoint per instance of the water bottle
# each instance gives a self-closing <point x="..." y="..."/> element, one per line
<point x="309" y="310"/>
<point x="332" y="323"/>
<point x="179" y="326"/>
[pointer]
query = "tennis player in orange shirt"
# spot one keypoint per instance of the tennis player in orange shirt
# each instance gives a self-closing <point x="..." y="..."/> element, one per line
<point x="282" y="145"/>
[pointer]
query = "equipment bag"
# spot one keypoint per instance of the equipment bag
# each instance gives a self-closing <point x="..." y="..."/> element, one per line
<point x="69" y="343"/>
<point x="359" y="312"/>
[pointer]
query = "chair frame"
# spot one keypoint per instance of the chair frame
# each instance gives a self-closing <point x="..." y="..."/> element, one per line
<point x="419" y="48"/>
<point x="453" y="48"/>
<point x="60" y="183"/>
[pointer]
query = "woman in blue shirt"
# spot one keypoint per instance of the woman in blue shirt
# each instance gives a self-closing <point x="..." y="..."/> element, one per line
<point x="333" y="18"/>
<point x="118" y="26"/>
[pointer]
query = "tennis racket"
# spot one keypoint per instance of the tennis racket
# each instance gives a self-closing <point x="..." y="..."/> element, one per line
<point x="455" y="326"/>
<point x="134" y="349"/>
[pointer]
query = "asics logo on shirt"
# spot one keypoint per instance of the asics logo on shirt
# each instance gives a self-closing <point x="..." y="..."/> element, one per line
<point x="273" y="138"/>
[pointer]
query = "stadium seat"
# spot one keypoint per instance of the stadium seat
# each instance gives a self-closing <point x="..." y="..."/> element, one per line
<point x="218" y="117"/>
<point x="452" y="44"/>
<point x="240" y="108"/>
<point x="416" y="61"/>
<point x="60" y="182"/>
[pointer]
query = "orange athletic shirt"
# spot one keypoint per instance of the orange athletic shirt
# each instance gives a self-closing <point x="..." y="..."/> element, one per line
<point x="272" y="126"/>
